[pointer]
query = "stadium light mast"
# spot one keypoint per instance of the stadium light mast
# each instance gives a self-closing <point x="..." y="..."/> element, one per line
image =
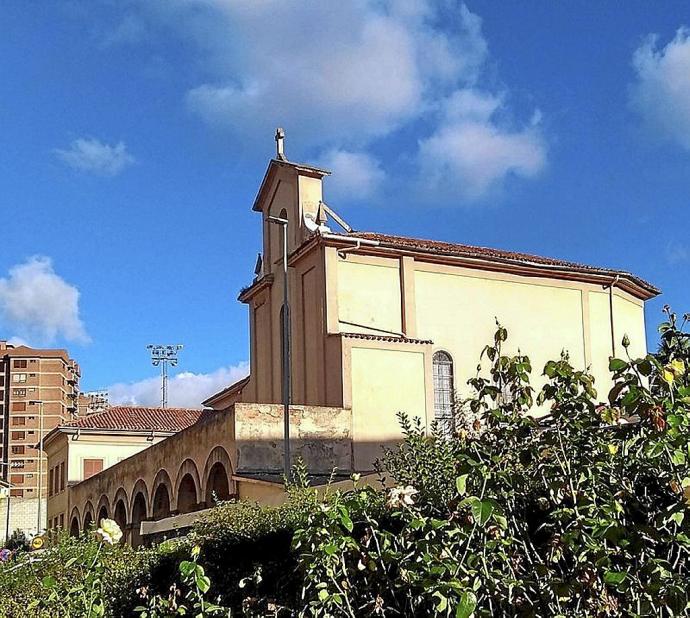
<point x="162" y="355"/>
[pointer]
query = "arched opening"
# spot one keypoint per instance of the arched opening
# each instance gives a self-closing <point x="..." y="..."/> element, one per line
<point x="138" y="515"/>
<point x="186" y="494"/>
<point x="161" y="502"/>
<point x="88" y="520"/>
<point x="120" y="514"/>
<point x="74" y="526"/>
<point x="217" y="486"/>
<point x="103" y="513"/>
<point x="444" y="391"/>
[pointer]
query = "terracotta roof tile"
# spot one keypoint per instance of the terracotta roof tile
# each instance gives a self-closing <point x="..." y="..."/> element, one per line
<point x="134" y="418"/>
<point x="470" y="251"/>
<point x="393" y="338"/>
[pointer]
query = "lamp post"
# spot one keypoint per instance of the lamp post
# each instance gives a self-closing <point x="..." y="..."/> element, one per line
<point x="6" y="489"/>
<point x="287" y="378"/>
<point x="162" y="355"/>
<point x="39" y="402"/>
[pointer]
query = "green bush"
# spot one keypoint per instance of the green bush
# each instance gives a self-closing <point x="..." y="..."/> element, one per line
<point x="582" y="512"/>
<point x="575" y="514"/>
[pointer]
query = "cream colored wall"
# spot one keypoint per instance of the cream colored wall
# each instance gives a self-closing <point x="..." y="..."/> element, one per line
<point x="111" y="449"/>
<point x="383" y="383"/>
<point x="369" y="295"/>
<point x="456" y="308"/>
<point x="628" y="320"/>
<point x="457" y="311"/>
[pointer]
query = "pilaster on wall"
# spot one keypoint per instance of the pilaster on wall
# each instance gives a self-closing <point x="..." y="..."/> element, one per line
<point x="331" y="275"/>
<point x="407" y="296"/>
<point x="586" y="328"/>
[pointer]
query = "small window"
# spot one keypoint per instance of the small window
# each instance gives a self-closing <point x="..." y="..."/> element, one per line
<point x="19" y="377"/>
<point x="20" y="364"/>
<point x="19" y="420"/>
<point x="18" y="435"/>
<point x="18" y="450"/>
<point x="444" y="390"/>
<point x="16" y="493"/>
<point x="19" y="406"/>
<point x="91" y="467"/>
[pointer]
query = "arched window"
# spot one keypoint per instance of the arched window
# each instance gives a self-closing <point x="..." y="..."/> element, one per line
<point x="444" y="390"/>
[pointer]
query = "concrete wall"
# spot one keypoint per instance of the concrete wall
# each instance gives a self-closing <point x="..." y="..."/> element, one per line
<point x="320" y="436"/>
<point x="248" y="436"/>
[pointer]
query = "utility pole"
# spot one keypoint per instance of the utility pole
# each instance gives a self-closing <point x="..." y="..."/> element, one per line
<point x="163" y="355"/>
<point x="287" y="377"/>
<point x="39" y="512"/>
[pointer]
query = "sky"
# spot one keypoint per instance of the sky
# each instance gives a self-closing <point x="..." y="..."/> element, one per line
<point x="134" y="135"/>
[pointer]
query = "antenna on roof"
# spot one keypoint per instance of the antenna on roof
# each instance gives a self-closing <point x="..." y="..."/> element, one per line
<point x="280" y="146"/>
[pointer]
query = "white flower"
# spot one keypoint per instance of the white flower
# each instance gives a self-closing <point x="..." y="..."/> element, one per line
<point x="109" y="532"/>
<point x="401" y="496"/>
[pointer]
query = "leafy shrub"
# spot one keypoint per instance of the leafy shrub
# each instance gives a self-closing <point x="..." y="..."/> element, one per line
<point x="579" y="513"/>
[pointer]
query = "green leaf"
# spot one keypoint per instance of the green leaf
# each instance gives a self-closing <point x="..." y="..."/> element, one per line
<point x="187" y="568"/>
<point x="614" y="577"/>
<point x="461" y="484"/>
<point x="617" y="364"/>
<point x="441" y="601"/>
<point x="49" y="581"/>
<point x="482" y="511"/>
<point x="466" y="605"/>
<point x="203" y="583"/>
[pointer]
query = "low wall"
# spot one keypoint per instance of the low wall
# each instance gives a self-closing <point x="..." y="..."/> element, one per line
<point x="320" y="436"/>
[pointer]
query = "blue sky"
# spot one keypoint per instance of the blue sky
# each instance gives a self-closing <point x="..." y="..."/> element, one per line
<point x="135" y="134"/>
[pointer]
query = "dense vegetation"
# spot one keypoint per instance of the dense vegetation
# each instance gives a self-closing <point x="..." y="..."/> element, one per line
<point x="583" y="512"/>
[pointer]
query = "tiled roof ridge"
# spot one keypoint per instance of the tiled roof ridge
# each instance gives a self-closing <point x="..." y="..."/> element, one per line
<point x="394" y="338"/>
<point x="138" y="418"/>
<point x="476" y="251"/>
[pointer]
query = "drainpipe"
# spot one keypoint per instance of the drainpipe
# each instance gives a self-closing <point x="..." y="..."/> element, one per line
<point x="613" y="334"/>
<point x="358" y="243"/>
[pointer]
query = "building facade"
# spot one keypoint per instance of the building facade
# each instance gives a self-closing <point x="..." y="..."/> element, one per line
<point x="378" y="324"/>
<point x="38" y="391"/>
<point x="81" y="449"/>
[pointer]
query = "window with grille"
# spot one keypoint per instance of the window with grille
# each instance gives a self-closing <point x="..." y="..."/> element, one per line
<point x="444" y="389"/>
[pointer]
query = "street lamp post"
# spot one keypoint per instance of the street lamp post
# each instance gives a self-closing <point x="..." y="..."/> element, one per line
<point x="163" y="355"/>
<point x="39" y="402"/>
<point x="287" y="378"/>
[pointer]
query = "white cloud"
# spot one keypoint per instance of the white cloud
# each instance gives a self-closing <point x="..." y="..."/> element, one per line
<point x="345" y="72"/>
<point x="662" y="91"/>
<point x="185" y="390"/>
<point x="339" y="76"/>
<point x="92" y="155"/>
<point x="356" y="175"/>
<point x="38" y="303"/>
<point x="676" y="253"/>
<point x="471" y="153"/>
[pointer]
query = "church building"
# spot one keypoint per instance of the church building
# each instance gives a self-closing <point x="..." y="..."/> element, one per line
<point x="370" y="325"/>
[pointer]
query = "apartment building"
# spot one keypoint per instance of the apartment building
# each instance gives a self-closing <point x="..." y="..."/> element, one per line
<point x="38" y="391"/>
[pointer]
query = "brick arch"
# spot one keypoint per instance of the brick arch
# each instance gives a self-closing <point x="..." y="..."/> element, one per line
<point x="103" y="507"/>
<point x="88" y="516"/>
<point x="140" y="487"/>
<point x="74" y="518"/>
<point x="190" y="498"/>
<point x="120" y="508"/>
<point x="162" y="492"/>
<point x="139" y="509"/>
<point x="217" y="458"/>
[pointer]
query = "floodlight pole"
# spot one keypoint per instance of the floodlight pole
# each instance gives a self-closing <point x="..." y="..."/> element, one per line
<point x="287" y="377"/>
<point x="162" y="355"/>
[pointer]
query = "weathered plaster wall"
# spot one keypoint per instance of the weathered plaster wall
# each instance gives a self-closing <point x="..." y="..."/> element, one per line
<point x="320" y="436"/>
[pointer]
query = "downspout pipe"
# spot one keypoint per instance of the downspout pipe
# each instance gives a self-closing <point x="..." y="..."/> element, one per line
<point x="613" y="334"/>
<point x="358" y="243"/>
